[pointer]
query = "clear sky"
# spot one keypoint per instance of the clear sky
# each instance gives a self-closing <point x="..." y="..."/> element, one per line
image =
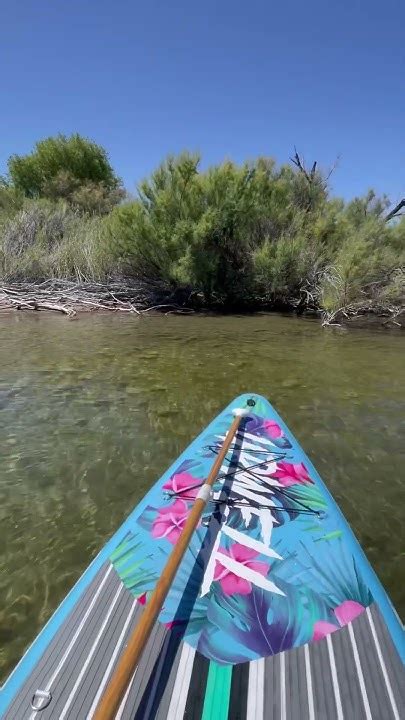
<point x="228" y="79"/>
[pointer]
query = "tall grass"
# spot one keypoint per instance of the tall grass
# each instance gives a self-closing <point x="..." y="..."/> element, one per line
<point x="49" y="240"/>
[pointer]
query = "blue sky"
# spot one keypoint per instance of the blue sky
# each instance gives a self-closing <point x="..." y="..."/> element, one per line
<point x="227" y="79"/>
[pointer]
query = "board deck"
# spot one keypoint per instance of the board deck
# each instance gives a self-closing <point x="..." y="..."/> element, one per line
<point x="274" y="613"/>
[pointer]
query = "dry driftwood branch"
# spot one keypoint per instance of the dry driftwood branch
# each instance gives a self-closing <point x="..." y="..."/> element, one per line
<point x="69" y="297"/>
<point x="58" y="308"/>
<point x="31" y="304"/>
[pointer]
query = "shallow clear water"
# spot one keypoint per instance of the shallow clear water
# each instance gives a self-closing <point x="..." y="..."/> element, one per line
<point x="93" y="410"/>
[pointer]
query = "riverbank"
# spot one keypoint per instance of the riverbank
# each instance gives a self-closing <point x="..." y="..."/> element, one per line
<point x="228" y="239"/>
<point x="126" y="296"/>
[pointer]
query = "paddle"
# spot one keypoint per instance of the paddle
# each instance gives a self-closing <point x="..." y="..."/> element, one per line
<point x="110" y="701"/>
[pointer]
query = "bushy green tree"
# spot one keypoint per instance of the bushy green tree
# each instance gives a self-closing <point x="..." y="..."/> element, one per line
<point x="71" y="168"/>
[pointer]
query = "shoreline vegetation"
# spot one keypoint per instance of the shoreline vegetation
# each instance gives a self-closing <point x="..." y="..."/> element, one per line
<point x="231" y="238"/>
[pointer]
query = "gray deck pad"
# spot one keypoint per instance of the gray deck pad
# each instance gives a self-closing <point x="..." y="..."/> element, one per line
<point x="355" y="673"/>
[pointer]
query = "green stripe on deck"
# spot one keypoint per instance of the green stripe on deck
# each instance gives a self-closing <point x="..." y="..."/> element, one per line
<point x="217" y="693"/>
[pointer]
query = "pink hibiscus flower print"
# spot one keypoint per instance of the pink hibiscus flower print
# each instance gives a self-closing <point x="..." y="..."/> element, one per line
<point x="291" y="474"/>
<point x="344" y="613"/>
<point x="273" y="429"/>
<point x="232" y="583"/>
<point x="183" y="482"/>
<point x="170" y="521"/>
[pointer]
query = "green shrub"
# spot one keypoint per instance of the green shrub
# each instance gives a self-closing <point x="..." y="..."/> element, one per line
<point x="286" y="267"/>
<point x="202" y="228"/>
<point x="364" y="257"/>
<point x="152" y="233"/>
<point x="223" y="237"/>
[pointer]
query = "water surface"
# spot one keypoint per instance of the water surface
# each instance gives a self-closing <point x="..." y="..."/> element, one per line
<point x="94" y="409"/>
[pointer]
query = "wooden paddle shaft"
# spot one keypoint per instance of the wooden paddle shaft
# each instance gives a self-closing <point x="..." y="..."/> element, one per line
<point x="110" y="701"/>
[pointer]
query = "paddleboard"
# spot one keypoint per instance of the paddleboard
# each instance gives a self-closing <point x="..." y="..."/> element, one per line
<point x="275" y="611"/>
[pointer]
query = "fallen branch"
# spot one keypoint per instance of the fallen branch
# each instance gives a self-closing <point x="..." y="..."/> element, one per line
<point x="69" y="297"/>
<point x="57" y="308"/>
<point x="20" y="303"/>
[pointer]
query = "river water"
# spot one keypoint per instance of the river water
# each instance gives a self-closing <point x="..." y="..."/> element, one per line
<point x="94" y="409"/>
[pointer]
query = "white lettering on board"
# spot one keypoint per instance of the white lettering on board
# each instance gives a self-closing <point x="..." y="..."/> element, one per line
<point x="251" y="491"/>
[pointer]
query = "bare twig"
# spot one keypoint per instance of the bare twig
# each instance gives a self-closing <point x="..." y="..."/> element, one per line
<point x="296" y="160"/>
<point x="395" y="211"/>
<point x="333" y="168"/>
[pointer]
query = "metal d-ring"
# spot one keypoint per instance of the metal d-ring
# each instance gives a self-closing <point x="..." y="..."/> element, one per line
<point x="40" y="700"/>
